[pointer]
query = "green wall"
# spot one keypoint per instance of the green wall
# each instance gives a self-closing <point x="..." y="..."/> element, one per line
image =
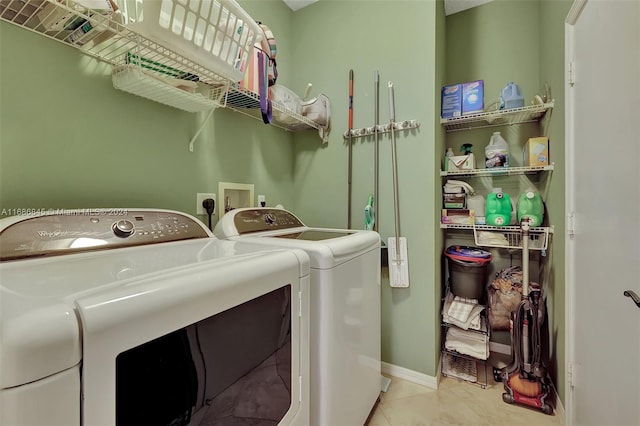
<point x="69" y="139"/>
<point x="366" y="39"/>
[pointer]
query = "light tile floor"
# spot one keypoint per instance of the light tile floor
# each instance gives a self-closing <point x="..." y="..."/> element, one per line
<point x="454" y="403"/>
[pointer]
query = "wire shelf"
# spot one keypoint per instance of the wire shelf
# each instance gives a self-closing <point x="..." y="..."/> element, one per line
<point x="248" y="103"/>
<point x="511" y="238"/>
<point x="133" y="79"/>
<point x="503" y="117"/>
<point x="102" y="35"/>
<point x="499" y="171"/>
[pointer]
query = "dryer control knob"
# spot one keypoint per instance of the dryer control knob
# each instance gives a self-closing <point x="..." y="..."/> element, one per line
<point x="123" y="228"/>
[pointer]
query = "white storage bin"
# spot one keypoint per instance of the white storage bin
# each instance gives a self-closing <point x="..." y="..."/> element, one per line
<point x="217" y="34"/>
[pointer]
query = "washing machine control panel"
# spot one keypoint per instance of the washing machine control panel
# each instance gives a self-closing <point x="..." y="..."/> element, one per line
<point x="264" y="219"/>
<point x="72" y="231"/>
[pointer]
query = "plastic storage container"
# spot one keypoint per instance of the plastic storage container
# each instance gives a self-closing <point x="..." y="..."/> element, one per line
<point x="476" y="202"/>
<point x="217" y="34"/>
<point x="511" y="97"/>
<point x="498" y="209"/>
<point x="497" y="152"/>
<point x="530" y="206"/>
<point x="467" y="270"/>
<point x="468" y="254"/>
<point x="467" y="279"/>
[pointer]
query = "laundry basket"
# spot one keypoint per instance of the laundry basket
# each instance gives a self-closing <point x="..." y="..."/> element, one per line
<point x="217" y="34"/>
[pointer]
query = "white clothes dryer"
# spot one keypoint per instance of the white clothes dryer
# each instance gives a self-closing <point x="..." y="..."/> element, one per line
<point x="345" y="307"/>
<point x="121" y="317"/>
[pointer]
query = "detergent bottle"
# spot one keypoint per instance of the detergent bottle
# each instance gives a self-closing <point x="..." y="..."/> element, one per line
<point x="497" y="152"/>
<point x="498" y="208"/>
<point x="530" y="206"/>
<point x="511" y="97"/>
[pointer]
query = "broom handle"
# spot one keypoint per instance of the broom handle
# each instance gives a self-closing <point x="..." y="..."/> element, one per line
<point x="350" y="168"/>
<point x="376" y="159"/>
<point x="396" y="209"/>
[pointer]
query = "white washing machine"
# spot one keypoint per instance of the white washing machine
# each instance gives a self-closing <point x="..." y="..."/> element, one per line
<point x="123" y="317"/>
<point x="345" y="307"/>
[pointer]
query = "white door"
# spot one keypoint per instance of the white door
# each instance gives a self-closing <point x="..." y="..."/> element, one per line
<point x="603" y="193"/>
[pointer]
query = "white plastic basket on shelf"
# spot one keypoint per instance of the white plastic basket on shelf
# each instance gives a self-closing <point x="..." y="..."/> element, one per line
<point x="217" y="34"/>
<point x="510" y="237"/>
<point x="174" y="92"/>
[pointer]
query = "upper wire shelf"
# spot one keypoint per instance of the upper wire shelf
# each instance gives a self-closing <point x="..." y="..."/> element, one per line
<point x="140" y="65"/>
<point x="527" y="114"/>
<point x="248" y="103"/>
<point x="498" y="171"/>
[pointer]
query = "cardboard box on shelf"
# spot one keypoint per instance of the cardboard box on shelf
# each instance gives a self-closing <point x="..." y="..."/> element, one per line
<point x="473" y="97"/>
<point x="454" y="201"/>
<point x="451" y="101"/>
<point x="458" y="216"/>
<point x="536" y="151"/>
<point x="460" y="162"/>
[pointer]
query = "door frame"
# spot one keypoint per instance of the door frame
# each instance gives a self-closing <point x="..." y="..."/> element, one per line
<point x="570" y="286"/>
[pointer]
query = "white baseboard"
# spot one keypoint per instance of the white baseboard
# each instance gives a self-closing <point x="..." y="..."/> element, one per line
<point x="410" y="375"/>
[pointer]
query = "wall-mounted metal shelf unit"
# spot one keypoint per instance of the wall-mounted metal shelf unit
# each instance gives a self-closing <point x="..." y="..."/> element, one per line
<point x="140" y="65"/>
<point x="527" y="114"/>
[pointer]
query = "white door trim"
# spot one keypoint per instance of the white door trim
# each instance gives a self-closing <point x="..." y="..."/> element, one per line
<point x="570" y="21"/>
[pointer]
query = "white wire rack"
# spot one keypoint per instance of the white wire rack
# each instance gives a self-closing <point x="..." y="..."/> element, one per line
<point x="510" y="237"/>
<point x="248" y="103"/>
<point x="503" y="117"/>
<point x="140" y="65"/>
<point x="498" y="171"/>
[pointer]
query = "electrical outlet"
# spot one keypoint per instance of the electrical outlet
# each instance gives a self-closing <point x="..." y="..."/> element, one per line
<point x="262" y="200"/>
<point x="200" y="197"/>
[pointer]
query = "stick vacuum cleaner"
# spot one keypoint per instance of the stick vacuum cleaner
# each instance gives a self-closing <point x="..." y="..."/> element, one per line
<point x="525" y="379"/>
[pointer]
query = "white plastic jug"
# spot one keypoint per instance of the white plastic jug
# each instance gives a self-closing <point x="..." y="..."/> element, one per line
<point x="497" y="152"/>
<point x="476" y="202"/>
<point x="511" y="97"/>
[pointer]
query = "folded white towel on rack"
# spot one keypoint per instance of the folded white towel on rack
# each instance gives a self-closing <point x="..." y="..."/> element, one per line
<point x="473" y="319"/>
<point x="467" y="342"/>
<point x="461" y="308"/>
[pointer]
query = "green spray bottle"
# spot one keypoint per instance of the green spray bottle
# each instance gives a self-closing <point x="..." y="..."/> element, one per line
<point x="369" y="215"/>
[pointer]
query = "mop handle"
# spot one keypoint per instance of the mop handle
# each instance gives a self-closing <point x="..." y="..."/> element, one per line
<point x="394" y="162"/>
<point x="350" y="168"/>
<point x="350" y="99"/>
<point x="392" y="106"/>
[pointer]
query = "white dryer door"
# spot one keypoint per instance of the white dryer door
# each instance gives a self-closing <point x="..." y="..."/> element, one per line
<point x="159" y="304"/>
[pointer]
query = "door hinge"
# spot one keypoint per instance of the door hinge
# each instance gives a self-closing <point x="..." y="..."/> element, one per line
<point x="571" y="375"/>
<point x="300" y="304"/>
<point x="571" y="224"/>
<point x="571" y="74"/>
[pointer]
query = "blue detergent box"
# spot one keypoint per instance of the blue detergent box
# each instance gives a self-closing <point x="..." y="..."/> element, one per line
<point x="451" y="101"/>
<point x="473" y="97"/>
